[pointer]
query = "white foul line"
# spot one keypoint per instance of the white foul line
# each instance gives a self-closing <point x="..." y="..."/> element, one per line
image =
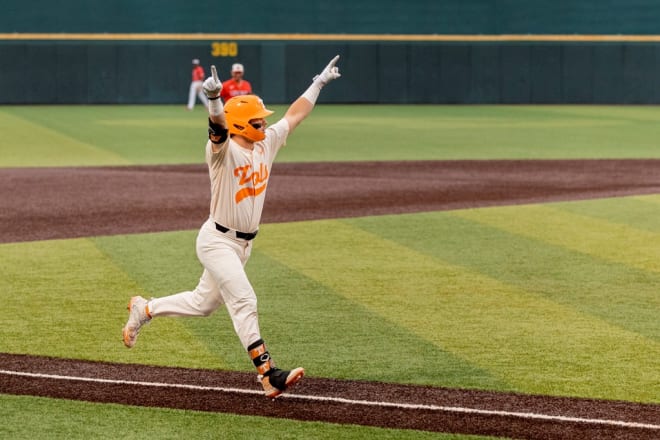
<point x="414" y="406"/>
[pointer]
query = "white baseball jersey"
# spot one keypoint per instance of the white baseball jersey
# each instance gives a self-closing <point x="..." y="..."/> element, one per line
<point x="239" y="178"/>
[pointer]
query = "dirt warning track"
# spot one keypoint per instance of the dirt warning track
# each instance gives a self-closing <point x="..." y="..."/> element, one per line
<point x="327" y="400"/>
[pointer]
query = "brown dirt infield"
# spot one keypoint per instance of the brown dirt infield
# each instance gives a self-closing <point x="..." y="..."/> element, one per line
<point x="47" y="203"/>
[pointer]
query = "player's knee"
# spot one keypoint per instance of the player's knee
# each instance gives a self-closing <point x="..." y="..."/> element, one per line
<point x="206" y="304"/>
<point x="206" y="310"/>
<point x="246" y="306"/>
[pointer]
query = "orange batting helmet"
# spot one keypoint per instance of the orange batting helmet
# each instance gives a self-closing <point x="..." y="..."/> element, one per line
<point x="240" y="110"/>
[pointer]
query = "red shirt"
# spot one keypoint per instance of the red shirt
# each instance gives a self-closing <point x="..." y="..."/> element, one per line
<point x="198" y="73"/>
<point x="231" y="88"/>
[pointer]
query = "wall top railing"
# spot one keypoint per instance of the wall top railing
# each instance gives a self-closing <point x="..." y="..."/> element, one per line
<point x="327" y="37"/>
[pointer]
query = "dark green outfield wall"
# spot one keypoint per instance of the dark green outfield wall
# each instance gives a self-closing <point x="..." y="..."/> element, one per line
<point x="337" y="16"/>
<point x="152" y="71"/>
<point x="159" y="72"/>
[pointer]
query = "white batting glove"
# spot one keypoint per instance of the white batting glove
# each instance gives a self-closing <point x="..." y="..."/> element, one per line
<point x="329" y="73"/>
<point x="212" y="85"/>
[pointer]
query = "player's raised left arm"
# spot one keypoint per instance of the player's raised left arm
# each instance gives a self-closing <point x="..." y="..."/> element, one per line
<point x="303" y="106"/>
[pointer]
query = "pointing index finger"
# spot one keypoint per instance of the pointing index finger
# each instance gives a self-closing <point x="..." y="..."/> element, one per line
<point x="333" y="61"/>
<point x="214" y="73"/>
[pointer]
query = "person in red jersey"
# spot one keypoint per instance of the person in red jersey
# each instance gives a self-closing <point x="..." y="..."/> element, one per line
<point x="196" y="85"/>
<point x="236" y="85"/>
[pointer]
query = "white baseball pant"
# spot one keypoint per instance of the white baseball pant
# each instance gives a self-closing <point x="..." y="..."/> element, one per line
<point x="223" y="282"/>
<point x="196" y="89"/>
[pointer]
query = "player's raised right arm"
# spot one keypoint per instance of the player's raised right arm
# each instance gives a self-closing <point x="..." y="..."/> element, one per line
<point x="217" y="123"/>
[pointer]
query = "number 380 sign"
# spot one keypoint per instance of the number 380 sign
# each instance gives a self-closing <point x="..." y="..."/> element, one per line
<point x="224" y="49"/>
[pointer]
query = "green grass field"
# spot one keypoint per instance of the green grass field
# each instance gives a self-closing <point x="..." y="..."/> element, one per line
<point x="125" y="135"/>
<point x="557" y="298"/>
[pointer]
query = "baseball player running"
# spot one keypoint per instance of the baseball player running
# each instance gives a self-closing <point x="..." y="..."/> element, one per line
<point x="239" y="154"/>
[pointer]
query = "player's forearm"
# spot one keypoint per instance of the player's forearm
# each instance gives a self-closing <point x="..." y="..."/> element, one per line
<point x="298" y="111"/>
<point x="217" y="115"/>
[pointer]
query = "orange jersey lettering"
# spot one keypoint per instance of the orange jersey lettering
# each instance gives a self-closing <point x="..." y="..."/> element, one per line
<point x="258" y="179"/>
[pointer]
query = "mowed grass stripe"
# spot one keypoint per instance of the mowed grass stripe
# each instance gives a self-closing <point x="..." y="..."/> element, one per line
<point x="534" y="344"/>
<point x="652" y="198"/>
<point x="28" y="142"/>
<point x="25" y="417"/>
<point x="166" y="134"/>
<point x="473" y="132"/>
<point x="637" y="212"/>
<point x="335" y="336"/>
<point x="66" y="298"/>
<point x="610" y="291"/>
<point x="134" y="134"/>
<point x="598" y="238"/>
<point x="303" y="322"/>
<point x="430" y="312"/>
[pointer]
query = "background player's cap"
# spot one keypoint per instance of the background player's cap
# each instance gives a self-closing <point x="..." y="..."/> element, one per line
<point x="237" y="67"/>
<point x="195" y="61"/>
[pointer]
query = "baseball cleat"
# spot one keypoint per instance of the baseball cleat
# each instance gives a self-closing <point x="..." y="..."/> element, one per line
<point x="277" y="381"/>
<point x="138" y="315"/>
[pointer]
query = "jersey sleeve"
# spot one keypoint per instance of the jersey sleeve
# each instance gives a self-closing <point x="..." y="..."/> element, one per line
<point x="217" y="157"/>
<point x="276" y="136"/>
